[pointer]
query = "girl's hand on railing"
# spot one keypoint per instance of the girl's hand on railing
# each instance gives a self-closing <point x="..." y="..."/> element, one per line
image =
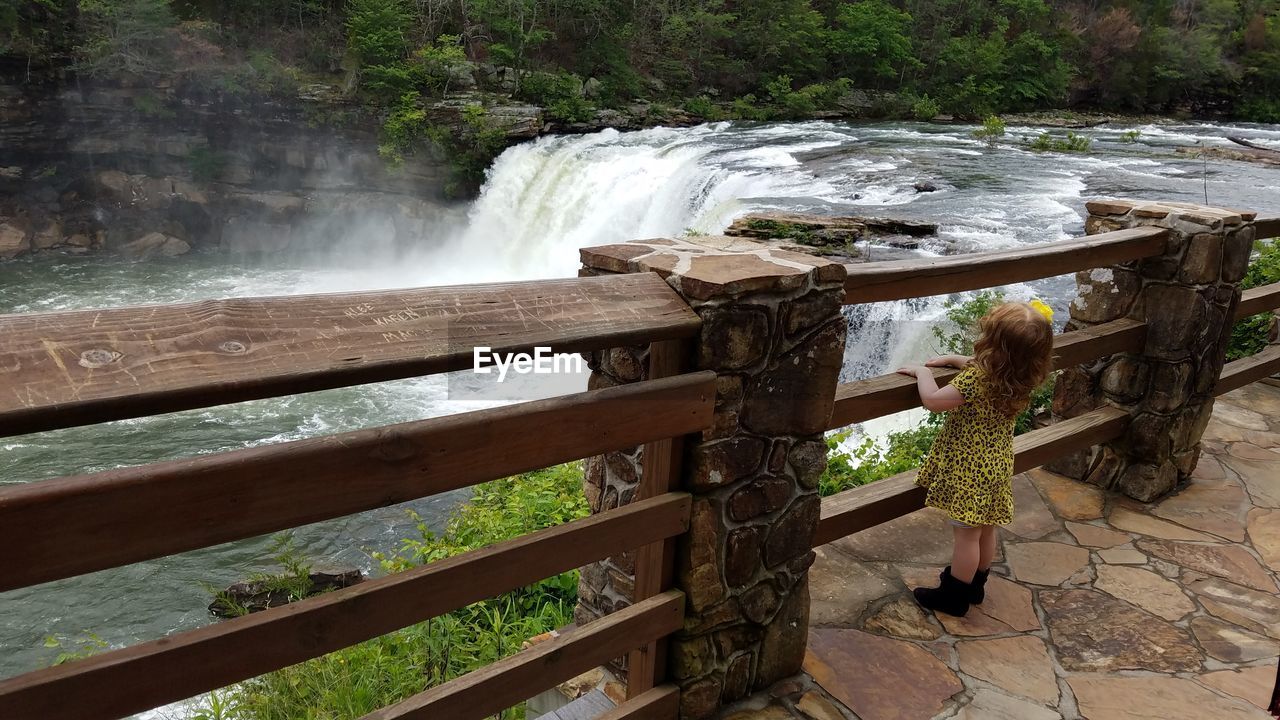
<point x="912" y="370"/>
<point x="952" y="361"/>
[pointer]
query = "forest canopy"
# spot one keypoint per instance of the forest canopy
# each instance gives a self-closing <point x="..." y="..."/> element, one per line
<point x="962" y="57"/>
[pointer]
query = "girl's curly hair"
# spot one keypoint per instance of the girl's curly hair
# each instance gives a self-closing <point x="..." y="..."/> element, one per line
<point x="1015" y="353"/>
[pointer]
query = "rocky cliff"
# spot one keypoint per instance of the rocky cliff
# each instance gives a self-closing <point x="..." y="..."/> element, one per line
<point x="106" y="168"/>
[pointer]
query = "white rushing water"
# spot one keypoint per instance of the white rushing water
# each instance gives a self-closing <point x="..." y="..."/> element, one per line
<point x="543" y="201"/>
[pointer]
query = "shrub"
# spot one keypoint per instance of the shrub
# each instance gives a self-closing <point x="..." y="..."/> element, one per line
<point x="1131" y="136"/>
<point x="206" y="163"/>
<point x="992" y="130"/>
<point x="560" y="94"/>
<point x="357" y="680"/>
<point x="925" y="108"/>
<point x="865" y="464"/>
<point x="1071" y="143"/>
<point x="704" y="108"/>
<point x="435" y="63"/>
<point x="1250" y="335"/>
<point x="746" y="108"/>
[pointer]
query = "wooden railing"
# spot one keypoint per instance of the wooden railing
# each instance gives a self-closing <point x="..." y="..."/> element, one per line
<point x="864" y="507"/>
<point x="84" y="367"/>
<point x="70" y="369"/>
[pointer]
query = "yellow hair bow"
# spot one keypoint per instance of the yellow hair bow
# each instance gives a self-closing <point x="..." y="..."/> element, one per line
<point x="1043" y="309"/>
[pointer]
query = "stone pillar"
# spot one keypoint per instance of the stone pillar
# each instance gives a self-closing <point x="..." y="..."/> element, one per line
<point x="773" y="332"/>
<point x="1187" y="296"/>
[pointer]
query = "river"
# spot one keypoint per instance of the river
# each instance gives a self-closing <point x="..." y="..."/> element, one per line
<point x="542" y="201"/>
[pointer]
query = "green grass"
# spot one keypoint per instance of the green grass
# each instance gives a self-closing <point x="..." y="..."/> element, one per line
<point x="360" y="679"/>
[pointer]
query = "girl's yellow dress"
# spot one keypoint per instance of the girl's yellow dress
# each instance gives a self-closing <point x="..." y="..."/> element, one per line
<point x="969" y="470"/>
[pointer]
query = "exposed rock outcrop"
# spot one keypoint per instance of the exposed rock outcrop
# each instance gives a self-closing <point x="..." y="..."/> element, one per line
<point x="257" y="595"/>
<point x="831" y="236"/>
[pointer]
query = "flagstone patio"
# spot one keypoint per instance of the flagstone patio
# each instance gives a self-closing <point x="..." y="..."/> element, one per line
<point x="1099" y="607"/>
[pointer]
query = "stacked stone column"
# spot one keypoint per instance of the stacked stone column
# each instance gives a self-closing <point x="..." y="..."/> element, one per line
<point x="1187" y="296"/>
<point x="773" y="333"/>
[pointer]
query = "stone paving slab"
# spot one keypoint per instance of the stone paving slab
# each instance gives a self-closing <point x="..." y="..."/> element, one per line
<point x="1099" y="608"/>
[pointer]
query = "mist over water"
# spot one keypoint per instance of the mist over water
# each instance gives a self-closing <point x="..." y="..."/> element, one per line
<point x="544" y="200"/>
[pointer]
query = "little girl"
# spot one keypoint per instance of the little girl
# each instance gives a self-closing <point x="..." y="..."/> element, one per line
<point x="969" y="469"/>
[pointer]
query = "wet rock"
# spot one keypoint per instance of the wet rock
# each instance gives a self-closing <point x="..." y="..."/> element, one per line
<point x="152" y="245"/>
<point x="1228" y="643"/>
<point x="260" y="594"/>
<point x="925" y="186"/>
<point x="13" y="239"/>
<point x="1241" y="606"/>
<point x="1094" y="632"/>
<point x="1145" y="589"/>
<point x="1225" y="561"/>
<point x="895" y="678"/>
<point x="902" y="617"/>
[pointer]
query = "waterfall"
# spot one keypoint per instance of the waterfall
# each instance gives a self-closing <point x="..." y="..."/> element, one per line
<point x="545" y="199"/>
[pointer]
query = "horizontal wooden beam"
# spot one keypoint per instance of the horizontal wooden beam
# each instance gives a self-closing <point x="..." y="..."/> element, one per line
<point x="1266" y="228"/>
<point x="1033" y="449"/>
<point x="120" y="683"/>
<point x="887" y="394"/>
<point x="1258" y="300"/>
<point x="917" y="277"/>
<point x="77" y="368"/>
<point x="507" y="682"/>
<point x="54" y="529"/>
<point x="1248" y="370"/>
<point x="660" y="703"/>
<point x="865" y="507"/>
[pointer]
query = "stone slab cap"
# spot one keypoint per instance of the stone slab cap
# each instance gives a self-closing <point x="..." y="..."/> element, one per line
<point x="715" y="266"/>
<point x="1199" y="214"/>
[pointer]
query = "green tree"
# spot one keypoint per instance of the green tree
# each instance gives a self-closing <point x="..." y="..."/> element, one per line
<point x="124" y="37"/>
<point x="377" y="31"/>
<point x="870" y="41"/>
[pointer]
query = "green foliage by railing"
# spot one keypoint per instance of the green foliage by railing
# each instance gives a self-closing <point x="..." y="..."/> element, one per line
<point x="1251" y="335"/>
<point x="360" y="679"/>
<point x="905" y="450"/>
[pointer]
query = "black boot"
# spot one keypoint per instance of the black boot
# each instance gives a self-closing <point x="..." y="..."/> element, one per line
<point x="977" y="588"/>
<point x="950" y="597"/>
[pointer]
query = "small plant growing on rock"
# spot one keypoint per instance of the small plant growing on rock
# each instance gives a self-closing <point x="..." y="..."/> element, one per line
<point x="1072" y="143"/>
<point x="1131" y="136"/>
<point x="991" y="131"/>
<point x="206" y="163"/>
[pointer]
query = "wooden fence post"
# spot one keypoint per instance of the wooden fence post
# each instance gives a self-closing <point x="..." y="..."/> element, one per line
<point x="1187" y="296"/>
<point x="773" y="332"/>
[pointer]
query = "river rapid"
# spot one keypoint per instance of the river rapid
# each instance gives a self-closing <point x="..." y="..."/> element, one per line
<point x="542" y="201"/>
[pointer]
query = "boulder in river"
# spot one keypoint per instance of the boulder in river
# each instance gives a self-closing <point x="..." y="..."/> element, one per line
<point x="820" y="231"/>
<point x="260" y="594"/>
<point x="13" y="238"/>
<point x="153" y="244"/>
<point x="924" y="186"/>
